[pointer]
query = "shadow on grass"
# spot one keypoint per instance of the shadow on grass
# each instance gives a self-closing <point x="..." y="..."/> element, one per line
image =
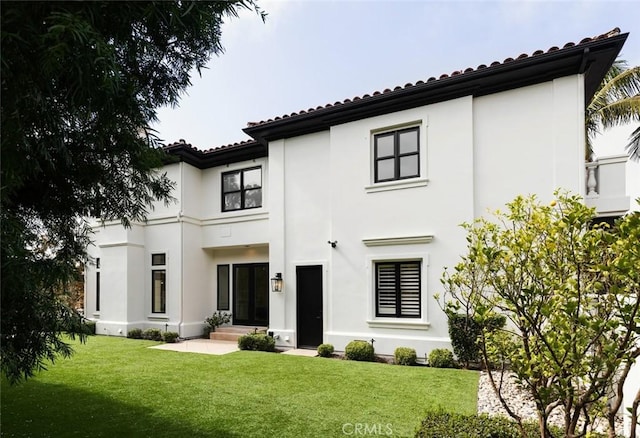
<point x="37" y="409"/>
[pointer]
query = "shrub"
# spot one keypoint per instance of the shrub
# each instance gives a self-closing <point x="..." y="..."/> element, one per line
<point x="448" y="425"/>
<point x="325" y="350"/>
<point x="359" y="350"/>
<point x="256" y="342"/>
<point x="217" y="319"/>
<point x="88" y="327"/>
<point x="464" y="332"/>
<point x="152" y="334"/>
<point x="441" y="358"/>
<point x="170" y="337"/>
<point x="134" y="333"/>
<point x="405" y="356"/>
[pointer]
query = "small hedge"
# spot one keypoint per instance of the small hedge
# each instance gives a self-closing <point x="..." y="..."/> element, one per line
<point x="441" y="358"/>
<point x="170" y="337"/>
<point x="325" y="350"/>
<point x="447" y="425"/>
<point x="134" y="333"/>
<point x="152" y="334"/>
<point x="360" y="350"/>
<point x="256" y="342"/>
<point x="405" y="356"/>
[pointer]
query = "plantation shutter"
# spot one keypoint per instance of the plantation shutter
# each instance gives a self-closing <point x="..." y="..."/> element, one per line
<point x="387" y="286"/>
<point x="410" y="289"/>
<point x="398" y="289"/>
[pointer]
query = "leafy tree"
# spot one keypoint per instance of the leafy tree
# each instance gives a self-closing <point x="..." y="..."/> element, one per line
<point x="81" y="82"/>
<point x="616" y="102"/>
<point x="570" y="291"/>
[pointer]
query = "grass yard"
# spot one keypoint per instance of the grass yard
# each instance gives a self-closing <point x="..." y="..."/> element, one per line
<point x="119" y="387"/>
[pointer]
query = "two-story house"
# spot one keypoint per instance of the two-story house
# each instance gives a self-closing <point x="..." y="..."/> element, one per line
<point x="336" y="223"/>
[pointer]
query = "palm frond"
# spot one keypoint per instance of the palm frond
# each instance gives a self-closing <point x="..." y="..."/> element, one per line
<point x="616" y="102"/>
<point x="633" y="147"/>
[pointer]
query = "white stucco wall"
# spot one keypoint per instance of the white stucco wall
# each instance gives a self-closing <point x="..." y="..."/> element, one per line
<point x="477" y="154"/>
<point x="529" y="140"/>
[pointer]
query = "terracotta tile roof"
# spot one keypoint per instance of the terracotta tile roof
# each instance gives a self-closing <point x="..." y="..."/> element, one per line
<point x="182" y="144"/>
<point x="443" y="77"/>
<point x="244" y="150"/>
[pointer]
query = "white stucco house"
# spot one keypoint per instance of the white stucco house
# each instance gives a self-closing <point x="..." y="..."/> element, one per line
<point x="355" y="205"/>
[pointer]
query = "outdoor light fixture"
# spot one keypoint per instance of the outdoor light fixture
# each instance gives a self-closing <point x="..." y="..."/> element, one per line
<point x="276" y="283"/>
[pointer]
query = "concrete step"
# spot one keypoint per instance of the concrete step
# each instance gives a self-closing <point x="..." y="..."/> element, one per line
<point x="233" y="332"/>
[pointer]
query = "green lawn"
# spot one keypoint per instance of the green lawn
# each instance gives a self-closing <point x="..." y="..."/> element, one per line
<point x="119" y="387"/>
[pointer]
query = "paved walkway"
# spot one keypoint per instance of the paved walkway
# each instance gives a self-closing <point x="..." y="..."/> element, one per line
<point x="207" y="346"/>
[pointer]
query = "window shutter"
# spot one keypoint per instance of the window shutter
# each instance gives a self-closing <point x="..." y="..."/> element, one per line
<point x="386" y="282"/>
<point x="410" y="289"/>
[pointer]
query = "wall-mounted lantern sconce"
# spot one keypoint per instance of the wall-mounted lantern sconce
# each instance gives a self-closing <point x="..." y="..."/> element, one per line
<point x="276" y="283"/>
<point x="333" y="243"/>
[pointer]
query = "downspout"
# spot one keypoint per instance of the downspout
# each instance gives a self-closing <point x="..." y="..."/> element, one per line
<point x="181" y="222"/>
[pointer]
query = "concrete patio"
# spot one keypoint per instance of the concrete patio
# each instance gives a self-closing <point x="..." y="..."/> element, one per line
<point x="219" y="347"/>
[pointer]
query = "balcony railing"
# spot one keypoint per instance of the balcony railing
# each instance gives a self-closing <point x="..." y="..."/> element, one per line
<point x="606" y="185"/>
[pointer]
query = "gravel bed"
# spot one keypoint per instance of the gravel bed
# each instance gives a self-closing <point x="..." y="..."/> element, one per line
<point x="521" y="403"/>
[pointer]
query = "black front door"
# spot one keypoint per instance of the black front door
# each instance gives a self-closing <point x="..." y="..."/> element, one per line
<point x="309" y="305"/>
<point x="251" y="294"/>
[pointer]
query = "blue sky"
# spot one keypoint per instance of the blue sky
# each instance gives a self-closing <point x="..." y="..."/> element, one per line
<point x="310" y="53"/>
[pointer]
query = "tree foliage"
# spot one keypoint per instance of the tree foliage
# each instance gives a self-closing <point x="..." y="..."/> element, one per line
<point x="81" y="82"/>
<point x="570" y="290"/>
<point x="616" y="102"/>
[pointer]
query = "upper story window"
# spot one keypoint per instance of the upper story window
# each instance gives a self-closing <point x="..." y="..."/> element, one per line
<point x="242" y="189"/>
<point x="397" y="155"/>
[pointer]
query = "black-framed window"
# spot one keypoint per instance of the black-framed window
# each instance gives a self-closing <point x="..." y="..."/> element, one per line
<point x="158" y="283"/>
<point x="97" y="284"/>
<point x="242" y="189"/>
<point x="223" y="287"/>
<point x="398" y="287"/>
<point x="397" y="154"/>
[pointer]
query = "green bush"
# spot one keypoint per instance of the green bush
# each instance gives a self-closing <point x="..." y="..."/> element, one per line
<point x="152" y="334"/>
<point x="447" y="425"/>
<point x="170" y="337"/>
<point x="405" y="356"/>
<point x="134" y="333"/>
<point x="464" y="332"/>
<point x="217" y="319"/>
<point x="441" y="358"/>
<point x="88" y="327"/>
<point x="256" y="342"/>
<point x="325" y="350"/>
<point x="360" y="350"/>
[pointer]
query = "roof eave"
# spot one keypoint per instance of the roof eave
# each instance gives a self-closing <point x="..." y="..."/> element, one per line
<point x="216" y="157"/>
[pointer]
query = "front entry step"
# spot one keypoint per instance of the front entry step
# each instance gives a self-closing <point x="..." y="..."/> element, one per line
<point x="233" y="332"/>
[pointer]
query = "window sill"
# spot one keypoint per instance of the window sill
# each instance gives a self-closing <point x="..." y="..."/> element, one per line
<point x="96" y="315"/>
<point x="399" y="323"/>
<point x="158" y="317"/>
<point x="397" y="185"/>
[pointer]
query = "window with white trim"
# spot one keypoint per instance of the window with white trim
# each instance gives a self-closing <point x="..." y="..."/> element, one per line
<point x="158" y="283"/>
<point x="396" y="155"/>
<point x="398" y="286"/>
<point x="242" y="189"/>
